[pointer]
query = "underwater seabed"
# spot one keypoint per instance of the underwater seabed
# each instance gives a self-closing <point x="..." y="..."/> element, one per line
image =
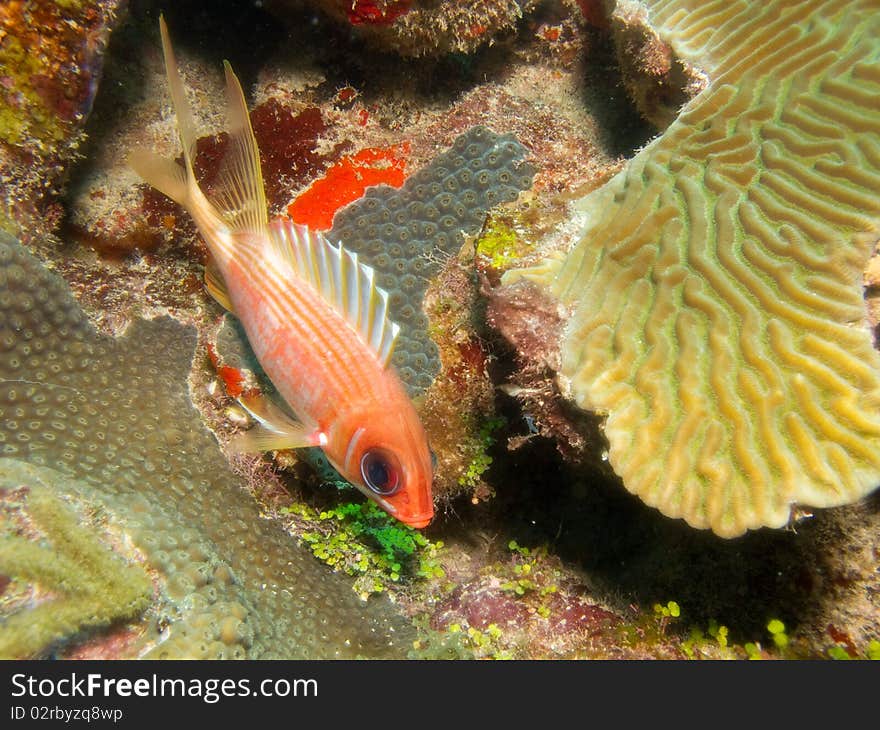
<point x="127" y="530"/>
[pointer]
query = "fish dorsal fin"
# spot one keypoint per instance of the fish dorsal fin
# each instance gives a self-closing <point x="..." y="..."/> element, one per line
<point x="348" y="285"/>
<point x="239" y="195"/>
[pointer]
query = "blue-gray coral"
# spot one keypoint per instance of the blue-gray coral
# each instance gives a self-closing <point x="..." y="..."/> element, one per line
<point x="109" y="423"/>
<point x="405" y="234"/>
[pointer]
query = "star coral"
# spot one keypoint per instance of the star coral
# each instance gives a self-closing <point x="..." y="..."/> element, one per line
<point x="716" y="312"/>
<point x="405" y="234"/>
<point x="114" y="419"/>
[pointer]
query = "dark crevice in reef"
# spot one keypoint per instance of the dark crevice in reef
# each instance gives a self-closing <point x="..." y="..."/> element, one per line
<point x="622" y="129"/>
<point x="242" y="33"/>
<point x="347" y="60"/>
<point x="376" y="74"/>
<point x="635" y="553"/>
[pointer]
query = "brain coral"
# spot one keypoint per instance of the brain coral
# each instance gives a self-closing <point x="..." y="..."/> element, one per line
<point x="109" y="423"/>
<point x="717" y="315"/>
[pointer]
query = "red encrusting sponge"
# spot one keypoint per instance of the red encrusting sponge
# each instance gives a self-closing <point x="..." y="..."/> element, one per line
<point x="368" y="12"/>
<point x="346" y="181"/>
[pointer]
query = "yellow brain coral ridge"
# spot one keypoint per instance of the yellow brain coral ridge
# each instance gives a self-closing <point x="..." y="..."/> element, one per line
<point x="718" y="316"/>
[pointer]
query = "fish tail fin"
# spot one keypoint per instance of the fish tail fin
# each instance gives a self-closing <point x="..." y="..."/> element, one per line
<point x="166" y="175"/>
<point x="238" y="202"/>
<point x="239" y="194"/>
<point x="163" y="174"/>
<point x="186" y="127"/>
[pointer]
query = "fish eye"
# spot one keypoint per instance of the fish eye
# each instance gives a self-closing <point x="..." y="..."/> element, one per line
<point x="381" y="471"/>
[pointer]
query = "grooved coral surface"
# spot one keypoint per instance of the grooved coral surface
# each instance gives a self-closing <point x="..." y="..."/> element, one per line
<point x="110" y="421"/>
<point x="717" y="314"/>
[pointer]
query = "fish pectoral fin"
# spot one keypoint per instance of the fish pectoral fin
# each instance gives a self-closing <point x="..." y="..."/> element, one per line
<point x="274" y="430"/>
<point x="259" y="439"/>
<point x="217" y="286"/>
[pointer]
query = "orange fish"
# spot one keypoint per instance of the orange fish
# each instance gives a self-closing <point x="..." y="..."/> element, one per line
<point x="314" y="317"/>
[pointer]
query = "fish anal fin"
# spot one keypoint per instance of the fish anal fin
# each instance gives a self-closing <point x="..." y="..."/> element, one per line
<point x="258" y="439"/>
<point x="345" y="283"/>
<point x="217" y="286"/>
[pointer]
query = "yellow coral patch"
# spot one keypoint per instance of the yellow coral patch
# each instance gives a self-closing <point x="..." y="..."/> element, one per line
<point x="718" y="317"/>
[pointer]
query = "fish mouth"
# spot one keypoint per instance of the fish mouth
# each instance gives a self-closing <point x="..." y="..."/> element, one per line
<point x="418" y="521"/>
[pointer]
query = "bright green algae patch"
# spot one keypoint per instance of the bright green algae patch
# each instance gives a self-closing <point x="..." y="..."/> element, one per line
<point x="114" y="418"/>
<point x="362" y="540"/>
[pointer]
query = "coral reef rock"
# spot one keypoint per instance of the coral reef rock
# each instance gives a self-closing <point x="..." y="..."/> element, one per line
<point x="716" y="312"/>
<point x="422" y="27"/>
<point x="114" y="421"/>
<point x="51" y="59"/>
<point x="657" y="80"/>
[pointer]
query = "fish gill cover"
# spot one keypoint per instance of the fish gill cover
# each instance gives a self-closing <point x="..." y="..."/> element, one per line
<point x="107" y="426"/>
<point x="717" y="316"/>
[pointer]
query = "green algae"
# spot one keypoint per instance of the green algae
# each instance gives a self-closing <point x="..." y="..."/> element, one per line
<point x="27" y="118"/>
<point x="481" y="459"/>
<point x="89" y="586"/>
<point x="363" y="541"/>
<point x="530" y="575"/>
<point x="440" y="644"/>
<point x="500" y="244"/>
<point x="664" y="631"/>
<point x="485" y="644"/>
<point x="777" y="633"/>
